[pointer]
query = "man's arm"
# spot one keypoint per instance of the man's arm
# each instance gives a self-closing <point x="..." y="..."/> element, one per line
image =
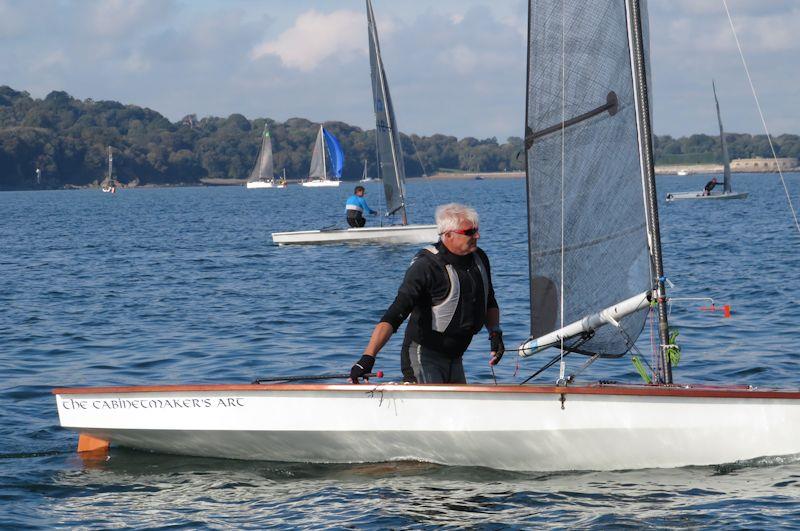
<point x="380" y="335"/>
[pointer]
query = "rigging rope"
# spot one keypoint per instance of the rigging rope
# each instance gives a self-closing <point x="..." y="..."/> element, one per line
<point x="761" y="114"/>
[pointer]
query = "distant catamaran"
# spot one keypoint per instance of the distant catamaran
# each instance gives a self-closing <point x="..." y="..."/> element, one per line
<point x="263" y="174"/>
<point x="326" y="144"/>
<point x="726" y="192"/>
<point x="109" y="184"/>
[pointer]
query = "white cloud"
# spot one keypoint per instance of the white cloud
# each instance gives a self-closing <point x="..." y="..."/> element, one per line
<point x="114" y="18"/>
<point x="315" y="37"/>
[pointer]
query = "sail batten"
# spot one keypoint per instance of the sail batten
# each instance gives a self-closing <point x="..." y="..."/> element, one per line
<point x="391" y="168"/>
<point x="578" y="57"/>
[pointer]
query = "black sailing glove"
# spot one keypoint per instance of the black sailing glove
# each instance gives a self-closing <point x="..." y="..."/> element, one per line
<point x="497" y="346"/>
<point x="362" y="367"/>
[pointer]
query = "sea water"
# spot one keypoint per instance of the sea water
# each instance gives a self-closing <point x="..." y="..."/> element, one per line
<point x="183" y="285"/>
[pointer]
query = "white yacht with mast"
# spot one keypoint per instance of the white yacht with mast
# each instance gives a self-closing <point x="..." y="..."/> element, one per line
<point x="263" y="174"/>
<point x="326" y="146"/>
<point x="594" y="273"/>
<point x="109" y="184"/>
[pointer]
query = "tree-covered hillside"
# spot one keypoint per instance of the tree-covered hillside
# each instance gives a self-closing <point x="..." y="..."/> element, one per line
<point x="67" y="139"/>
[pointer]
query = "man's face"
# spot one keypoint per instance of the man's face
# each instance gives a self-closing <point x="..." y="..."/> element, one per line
<point x="459" y="243"/>
<point x="360" y="193"/>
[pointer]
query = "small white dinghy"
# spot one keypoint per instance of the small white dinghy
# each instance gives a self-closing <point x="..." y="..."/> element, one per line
<point x="391" y="170"/>
<point x="388" y="234"/>
<point x="726" y="192"/>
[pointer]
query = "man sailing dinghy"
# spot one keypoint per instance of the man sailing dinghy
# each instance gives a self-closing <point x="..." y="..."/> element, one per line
<point x="600" y="112"/>
<point x="391" y="170"/>
<point x="726" y="192"/>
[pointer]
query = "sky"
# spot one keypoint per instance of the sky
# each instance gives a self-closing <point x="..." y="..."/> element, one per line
<point x="455" y="67"/>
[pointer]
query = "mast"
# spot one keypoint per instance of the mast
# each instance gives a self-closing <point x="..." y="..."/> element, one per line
<point x="726" y="161"/>
<point x="324" y="164"/>
<point x="389" y="113"/>
<point x="639" y="75"/>
<point x="110" y="164"/>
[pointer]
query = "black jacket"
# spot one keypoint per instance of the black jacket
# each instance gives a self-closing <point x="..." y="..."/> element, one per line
<point x="426" y="283"/>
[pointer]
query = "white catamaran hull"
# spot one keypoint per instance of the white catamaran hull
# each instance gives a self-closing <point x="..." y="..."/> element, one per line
<point x="318" y="184"/>
<point x="680" y="196"/>
<point x="261" y="184"/>
<point x="508" y="427"/>
<point x="390" y="234"/>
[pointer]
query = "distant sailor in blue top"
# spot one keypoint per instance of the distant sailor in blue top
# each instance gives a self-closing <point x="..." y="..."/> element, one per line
<point x="356" y="206"/>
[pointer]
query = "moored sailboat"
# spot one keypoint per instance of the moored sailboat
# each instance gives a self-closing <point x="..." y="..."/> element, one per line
<point x="365" y="178"/>
<point x="727" y="192"/>
<point x="109" y="184"/>
<point x="593" y="275"/>
<point x="391" y="169"/>
<point x="263" y="174"/>
<point x="325" y="144"/>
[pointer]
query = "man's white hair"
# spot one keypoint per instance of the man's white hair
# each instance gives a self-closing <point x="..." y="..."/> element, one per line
<point x="452" y="215"/>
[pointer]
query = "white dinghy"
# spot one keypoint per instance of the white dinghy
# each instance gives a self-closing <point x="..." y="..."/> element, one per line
<point x="726" y="192"/>
<point x="587" y="136"/>
<point x="391" y="169"/>
<point x="263" y="174"/>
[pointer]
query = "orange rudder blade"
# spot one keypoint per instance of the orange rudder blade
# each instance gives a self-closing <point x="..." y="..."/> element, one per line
<point x="87" y="443"/>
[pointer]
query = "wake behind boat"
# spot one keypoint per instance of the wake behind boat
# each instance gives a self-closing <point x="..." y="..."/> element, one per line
<point x="596" y="125"/>
<point x="391" y="169"/>
<point x="726" y="192"/>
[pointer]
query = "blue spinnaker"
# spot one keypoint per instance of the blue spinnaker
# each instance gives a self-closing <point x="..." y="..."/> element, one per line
<point x="335" y="152"/>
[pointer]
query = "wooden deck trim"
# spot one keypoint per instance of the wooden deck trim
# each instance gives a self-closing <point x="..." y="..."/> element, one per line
<point x="696" y="391"/>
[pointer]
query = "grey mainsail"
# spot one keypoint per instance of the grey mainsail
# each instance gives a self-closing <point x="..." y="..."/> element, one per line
<point x="726" y="161"/>
<point x="264" y="169"/>
<point x="587" y="191"/>
<point x="391" y="167"/>
<point x="317" y="170"/>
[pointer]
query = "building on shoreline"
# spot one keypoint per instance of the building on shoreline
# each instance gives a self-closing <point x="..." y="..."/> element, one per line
<point x="761" y="164"/>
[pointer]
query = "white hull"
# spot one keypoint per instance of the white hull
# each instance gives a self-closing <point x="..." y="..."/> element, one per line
<point x="511" y="427"/>
<point x="261" y="184"/>
<point x="680" y="196"/>
<point x="317" y="184"/>
<point x="109" y="190"/>
<point x="391" y="234"/>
